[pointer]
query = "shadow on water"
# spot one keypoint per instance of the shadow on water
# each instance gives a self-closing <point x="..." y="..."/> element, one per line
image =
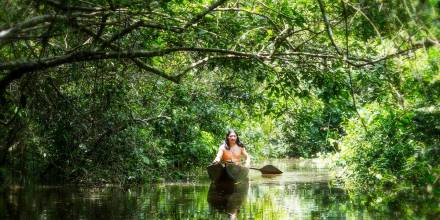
<point x="303" y="191"/>
<point x="228" y="197"/>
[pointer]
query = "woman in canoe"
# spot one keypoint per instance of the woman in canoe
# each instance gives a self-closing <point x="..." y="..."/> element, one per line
<point x="232" y="150"/>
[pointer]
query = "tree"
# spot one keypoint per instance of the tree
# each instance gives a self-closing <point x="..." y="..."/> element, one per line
<point x="96" y="58"/>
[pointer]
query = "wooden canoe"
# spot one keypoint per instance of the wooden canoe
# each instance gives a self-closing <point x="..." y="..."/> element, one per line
<point x="227" y="172"/>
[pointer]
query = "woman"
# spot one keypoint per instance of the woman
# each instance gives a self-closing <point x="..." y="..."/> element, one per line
<point x="232" y="150"/>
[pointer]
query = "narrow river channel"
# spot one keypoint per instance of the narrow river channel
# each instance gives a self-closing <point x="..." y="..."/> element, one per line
<point x="302" y="192"/>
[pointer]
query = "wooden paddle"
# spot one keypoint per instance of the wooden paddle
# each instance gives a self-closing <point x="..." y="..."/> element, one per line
<point x="268" y="169"/>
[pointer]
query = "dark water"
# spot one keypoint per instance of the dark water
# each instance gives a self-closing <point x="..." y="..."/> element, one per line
<point x="302" y="192"/>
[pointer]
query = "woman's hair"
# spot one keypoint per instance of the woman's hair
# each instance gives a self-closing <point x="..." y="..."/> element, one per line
<point x="227" y="141"/>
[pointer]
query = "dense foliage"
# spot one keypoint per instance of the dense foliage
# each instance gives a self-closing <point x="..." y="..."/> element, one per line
<point x="396" y="155"/>
<point x="129" y="91"/>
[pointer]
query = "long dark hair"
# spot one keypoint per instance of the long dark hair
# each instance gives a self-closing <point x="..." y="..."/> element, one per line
<point x="237" y="141"/>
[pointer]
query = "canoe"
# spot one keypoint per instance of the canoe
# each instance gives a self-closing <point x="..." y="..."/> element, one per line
<point x="227" y="172"/>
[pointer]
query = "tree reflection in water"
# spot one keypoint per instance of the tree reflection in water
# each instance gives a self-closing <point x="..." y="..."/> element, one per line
<point x="303" y="191"/>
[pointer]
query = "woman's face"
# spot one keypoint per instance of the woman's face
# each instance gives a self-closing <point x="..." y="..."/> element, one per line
<point x="232" y="138"/>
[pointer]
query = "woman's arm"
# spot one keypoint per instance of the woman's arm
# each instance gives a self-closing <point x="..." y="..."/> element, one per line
<point x="247" y="156"/>
<point x="219" y="154"/>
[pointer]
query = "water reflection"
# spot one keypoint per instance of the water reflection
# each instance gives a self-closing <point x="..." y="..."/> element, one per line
<point x="302" y="192"/>
<point x="228" y="197"/>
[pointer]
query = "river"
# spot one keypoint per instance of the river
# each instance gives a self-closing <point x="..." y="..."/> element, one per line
<point x="303" y="191"/>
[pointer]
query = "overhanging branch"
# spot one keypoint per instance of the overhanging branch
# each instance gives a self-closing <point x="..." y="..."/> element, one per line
<point x="7" y="32"/>
<point x="79" y="56"/>
<point x="18" y="69"/>
<point x="328" y="26"/>
<point x="203" y="13"/>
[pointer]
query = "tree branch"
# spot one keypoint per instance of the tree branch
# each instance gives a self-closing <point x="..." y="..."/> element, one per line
<point x="18" y="69"/>
<point x="203" y="13"/>
<point x="327" y="26"/>
<point x="350" y="77"/>
<point x="204" y="61"/>
<point x="138" y="63"/>
<point x="250" y="12"/>
<point x="79" y="56"/>
<point x="396" y="54"/>
<point x="7" y="32"/>
<point x="101" y="26"/>
<point x="63" y="7"/>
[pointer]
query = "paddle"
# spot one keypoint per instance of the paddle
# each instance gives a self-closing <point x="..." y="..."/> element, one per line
<point x="268" y="169"/>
